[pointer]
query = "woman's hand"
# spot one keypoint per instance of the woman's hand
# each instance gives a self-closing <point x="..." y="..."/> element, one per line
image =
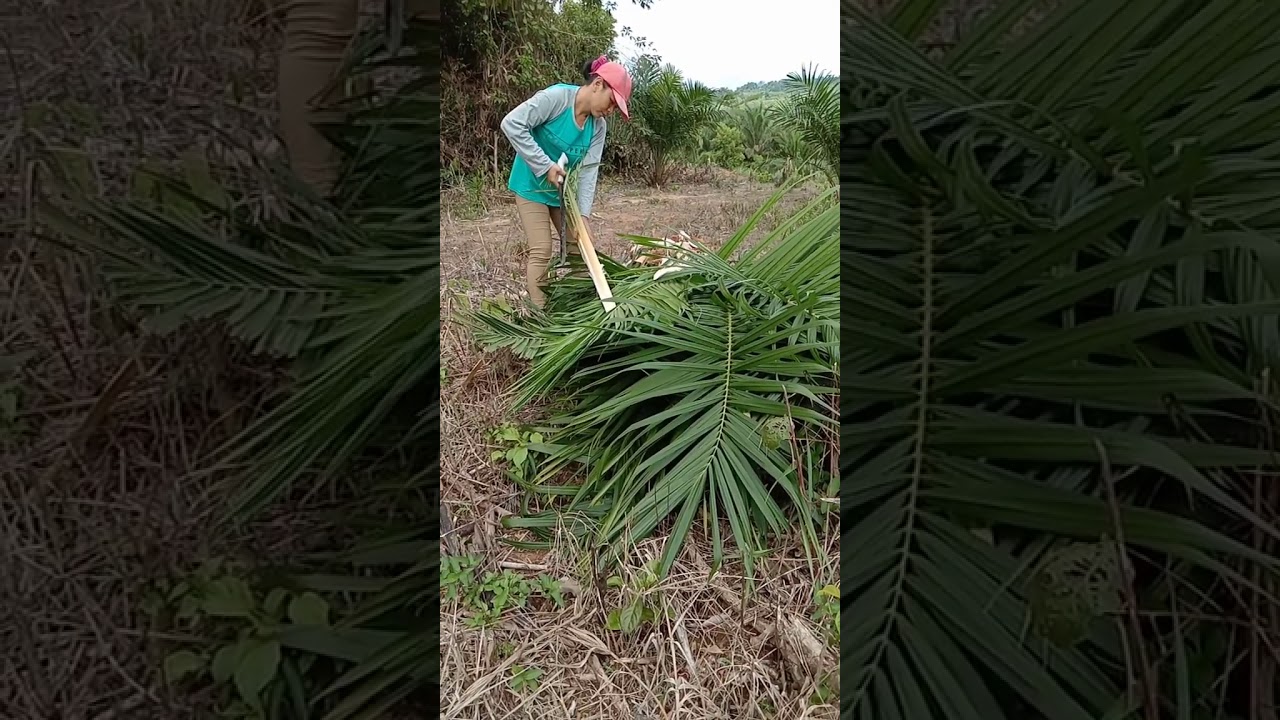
<point x="555" y="175"/>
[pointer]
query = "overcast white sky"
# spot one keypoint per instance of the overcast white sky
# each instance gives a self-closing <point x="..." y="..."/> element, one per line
<point x="726" y="43"/>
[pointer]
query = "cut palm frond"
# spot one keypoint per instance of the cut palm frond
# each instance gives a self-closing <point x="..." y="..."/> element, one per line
<point x="687" y="397"/>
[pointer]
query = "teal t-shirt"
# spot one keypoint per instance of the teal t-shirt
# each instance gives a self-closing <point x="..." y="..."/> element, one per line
<point x="560" y="134"/>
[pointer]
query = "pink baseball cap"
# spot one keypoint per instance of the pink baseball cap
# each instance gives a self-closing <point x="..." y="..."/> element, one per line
<point x="619" y="81"/>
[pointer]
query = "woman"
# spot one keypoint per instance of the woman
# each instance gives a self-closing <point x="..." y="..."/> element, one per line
<point x="568" y="119"/>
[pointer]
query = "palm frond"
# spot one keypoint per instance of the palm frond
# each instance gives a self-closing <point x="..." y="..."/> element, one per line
<point x="686" y="398"/>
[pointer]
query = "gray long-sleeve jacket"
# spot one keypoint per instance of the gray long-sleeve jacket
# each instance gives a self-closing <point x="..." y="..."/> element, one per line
<point x="544" y="106"/>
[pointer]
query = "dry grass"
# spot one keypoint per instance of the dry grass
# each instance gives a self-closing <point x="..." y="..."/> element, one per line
<point x="718" y="655"/>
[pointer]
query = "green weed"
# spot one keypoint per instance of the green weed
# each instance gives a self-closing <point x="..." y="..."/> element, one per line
<point x="487" y="598"/>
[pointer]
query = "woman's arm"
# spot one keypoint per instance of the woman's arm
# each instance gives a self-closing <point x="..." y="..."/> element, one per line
<point x="591" y="169"/>
<point x="530" y="114"/>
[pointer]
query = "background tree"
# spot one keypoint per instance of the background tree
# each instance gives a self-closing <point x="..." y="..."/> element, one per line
<point x="752" y="120"/>
<point x="494" y="55"/>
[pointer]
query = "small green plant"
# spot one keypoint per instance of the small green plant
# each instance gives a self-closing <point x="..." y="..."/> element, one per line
<point x="1073" y="587"/>
<point x="830" y="499"/>
<point x="514" y="450"/>
<point x="496" y="304"/>
<point x="551" y="588"/>
<point x="250" y="660"/>
<point x="12" y="426"/>
<point x="475" y="188"/>
<point x="640" y="602"/>
<point x="827" y="611"/>
<point x="489" y="596"/>
<point x="524" y="678"/>
<point x="728" y="149"/>
<point x="498" y="593"/>
<point x="826" y="693"/>
<point x="458" y="575"/>
<point x="775" y="431"/>
<point x="468" y="191"/>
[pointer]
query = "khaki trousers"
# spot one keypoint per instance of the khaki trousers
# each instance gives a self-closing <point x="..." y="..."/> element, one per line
<point x="316" y="37"/>
<point x="537" y="220"/>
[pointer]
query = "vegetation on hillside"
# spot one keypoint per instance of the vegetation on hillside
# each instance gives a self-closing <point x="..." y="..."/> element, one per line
<point x="762" y="87"/>
<point x="494" y="56"/>
<point x="497" y="54"/>
<point x="773" y="137"/>
<point x="1061" y="300"/>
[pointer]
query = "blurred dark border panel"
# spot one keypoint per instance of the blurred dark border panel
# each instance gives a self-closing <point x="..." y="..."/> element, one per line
<point x="379" y="386"/>
<point x="392" y="183"/>
<point x="1060" y="316"/>
<point x="226" y="492"/>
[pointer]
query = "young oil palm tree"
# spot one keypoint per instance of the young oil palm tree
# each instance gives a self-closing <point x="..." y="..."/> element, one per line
<point x="758" y="136"/>
<point x="812" y="111"/>
<point x="1059" y="300"/>
<point x="669" y="111"/>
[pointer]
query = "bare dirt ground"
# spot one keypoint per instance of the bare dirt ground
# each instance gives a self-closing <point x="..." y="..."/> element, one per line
<point x="722" y="655"/>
